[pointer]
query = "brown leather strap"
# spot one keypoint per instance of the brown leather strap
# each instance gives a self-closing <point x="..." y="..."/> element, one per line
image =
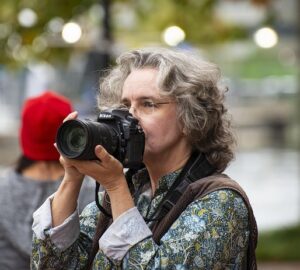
<point x="198" y="190"/>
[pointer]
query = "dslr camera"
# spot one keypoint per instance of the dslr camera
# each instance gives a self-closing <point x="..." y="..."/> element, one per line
<point x="115" y="129"/>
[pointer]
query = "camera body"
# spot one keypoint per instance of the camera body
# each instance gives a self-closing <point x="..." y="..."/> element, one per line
<point x="115" y="129"/>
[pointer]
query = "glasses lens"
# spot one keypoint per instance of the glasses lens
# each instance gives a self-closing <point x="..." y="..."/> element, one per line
<point x="146" y="107"/>
<point x="141" y="108"/>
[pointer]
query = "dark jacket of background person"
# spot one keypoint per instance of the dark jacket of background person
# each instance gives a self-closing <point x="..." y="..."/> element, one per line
<point x="35" y="177"/>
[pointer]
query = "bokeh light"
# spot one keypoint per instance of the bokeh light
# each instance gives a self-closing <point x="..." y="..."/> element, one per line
<point x="55" y="25"/>
<point x="173" y="35"/>
<point x="39" y="44"/>
<point x="27" y="17"/>
<point x="71" y="32"/>
<point x="266" y="37"/>
<point x="5" y="29"/>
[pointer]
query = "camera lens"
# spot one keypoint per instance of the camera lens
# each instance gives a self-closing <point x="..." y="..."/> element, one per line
<point x="77" y="139"/>
<point x="72" y="138"/>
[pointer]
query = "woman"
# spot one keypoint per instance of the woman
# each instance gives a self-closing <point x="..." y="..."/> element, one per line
<point x="179" y="104"/>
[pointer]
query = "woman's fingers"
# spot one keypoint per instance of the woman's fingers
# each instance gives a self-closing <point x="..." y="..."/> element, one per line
<point x="103" y="155"/>
<point x="72" y="115"/>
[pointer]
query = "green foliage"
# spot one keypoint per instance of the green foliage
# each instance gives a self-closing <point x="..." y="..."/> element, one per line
<point x="46" y="10"/>
<point x="279" y="245"/>
<point x="195" y="17"/>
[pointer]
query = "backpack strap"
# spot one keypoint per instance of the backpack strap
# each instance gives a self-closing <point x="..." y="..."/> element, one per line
<point x="199" y="189"/>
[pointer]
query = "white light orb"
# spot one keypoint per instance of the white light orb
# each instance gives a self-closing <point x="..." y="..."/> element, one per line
<point x="173" y="35"/>
<point x="71" y="32"/>
<point x="266" y="37"/>
<point x="27" y="17"/>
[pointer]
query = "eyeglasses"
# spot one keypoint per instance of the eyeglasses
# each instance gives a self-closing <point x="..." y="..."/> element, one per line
<point x="145" y="107"/>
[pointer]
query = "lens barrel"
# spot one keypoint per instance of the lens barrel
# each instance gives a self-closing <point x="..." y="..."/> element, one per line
<point x="77" y="139"/>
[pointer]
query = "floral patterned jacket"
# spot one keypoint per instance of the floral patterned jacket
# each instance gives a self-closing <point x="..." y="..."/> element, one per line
<point x="212" y="233"/>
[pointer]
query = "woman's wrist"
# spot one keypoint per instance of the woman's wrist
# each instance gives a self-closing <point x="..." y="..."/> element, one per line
<point x="66" y="195"/>
<point x="121" y="199"/>
<point x="117" y="185"/>
<point x="73" y="179"/>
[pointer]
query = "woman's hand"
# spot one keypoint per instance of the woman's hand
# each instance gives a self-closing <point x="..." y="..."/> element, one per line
<point x="109" y="173"/>
<point x="112" y="175"/>
<point x="107" y="170"/>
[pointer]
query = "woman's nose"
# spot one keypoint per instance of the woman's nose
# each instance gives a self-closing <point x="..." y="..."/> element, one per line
<point x="134" y="112"/>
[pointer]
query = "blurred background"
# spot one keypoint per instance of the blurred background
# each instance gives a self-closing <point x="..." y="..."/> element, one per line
<point x="64" y="45"/>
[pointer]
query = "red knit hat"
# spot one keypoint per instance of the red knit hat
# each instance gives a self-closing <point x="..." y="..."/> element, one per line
<point x="41" y="117"/>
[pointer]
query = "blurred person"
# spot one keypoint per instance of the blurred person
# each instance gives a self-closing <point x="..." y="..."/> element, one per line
<point x="179" y="103"/>
<point x="36" y="175"/>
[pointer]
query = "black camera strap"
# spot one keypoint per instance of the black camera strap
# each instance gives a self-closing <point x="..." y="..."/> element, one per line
<point x="197" y="167"/>
<point x="100" y="207"/>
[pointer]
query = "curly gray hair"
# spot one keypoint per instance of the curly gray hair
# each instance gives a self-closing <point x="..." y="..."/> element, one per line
<point x="194" y="84"/>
